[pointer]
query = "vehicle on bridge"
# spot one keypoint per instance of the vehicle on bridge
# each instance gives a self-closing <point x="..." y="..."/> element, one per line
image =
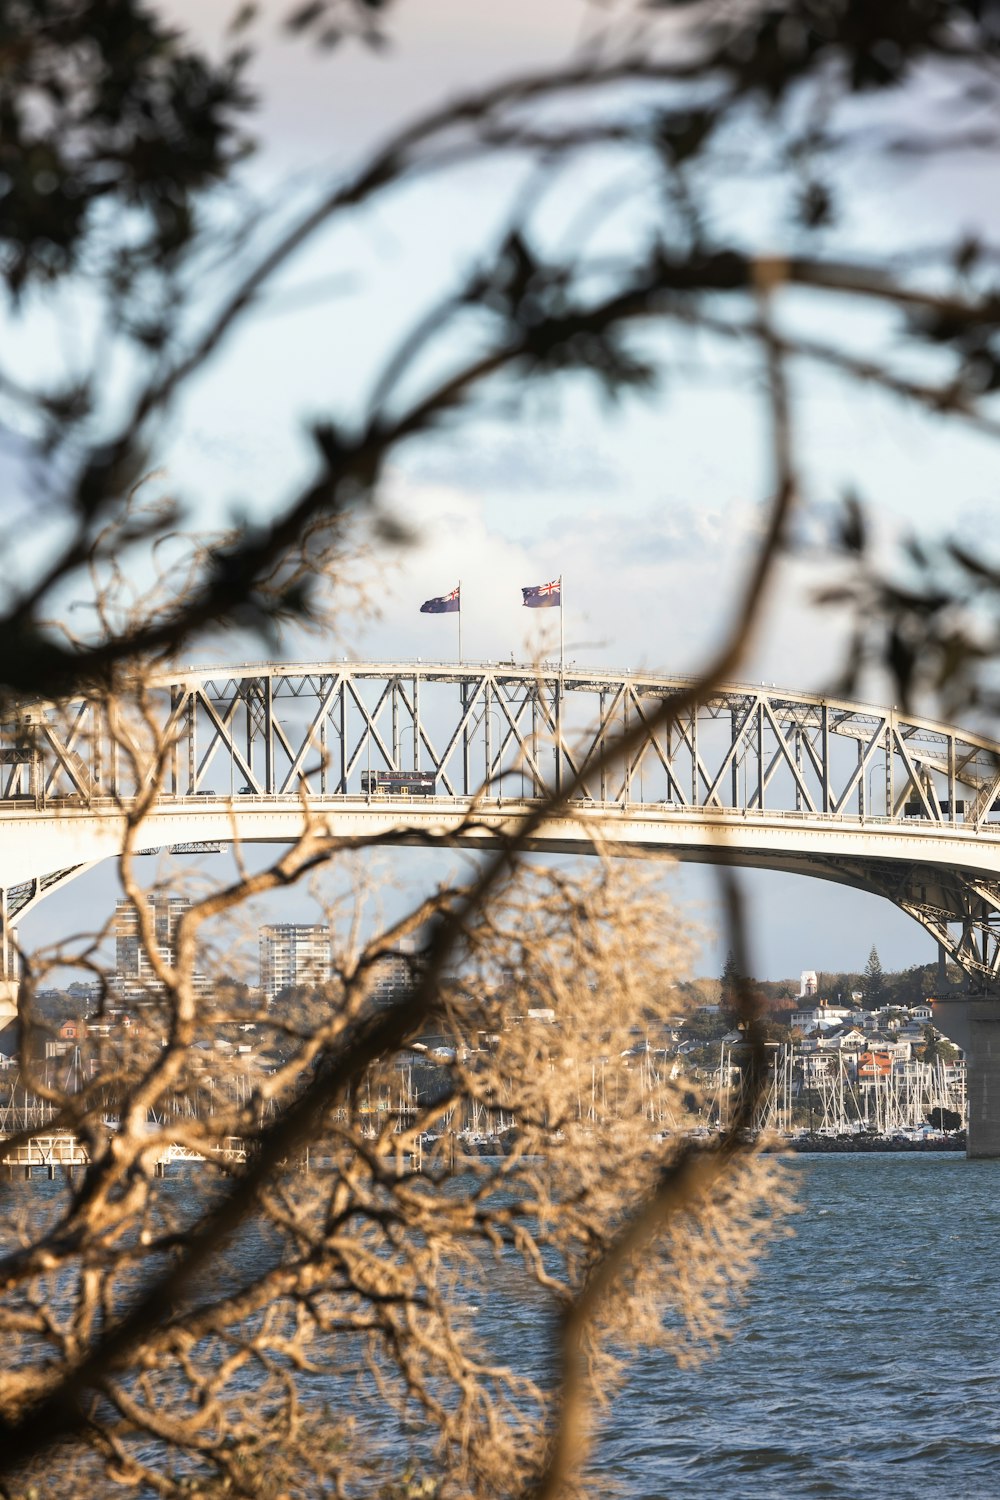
<point x="918" y="809"/>
<point x="399" y="783"/>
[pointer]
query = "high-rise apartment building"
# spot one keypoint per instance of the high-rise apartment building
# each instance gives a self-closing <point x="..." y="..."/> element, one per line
<point x="395" y="972"/>
<point x="134" y="975"/>
<point x="293" y="954"/>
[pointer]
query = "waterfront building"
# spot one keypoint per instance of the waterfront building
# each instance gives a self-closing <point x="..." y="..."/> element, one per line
<point x="292" y="955"/>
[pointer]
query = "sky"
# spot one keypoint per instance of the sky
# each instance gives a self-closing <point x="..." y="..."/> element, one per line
<point x="649" y="510"/>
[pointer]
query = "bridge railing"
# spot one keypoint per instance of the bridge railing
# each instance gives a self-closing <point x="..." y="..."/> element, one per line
<point x="200" y="805"/>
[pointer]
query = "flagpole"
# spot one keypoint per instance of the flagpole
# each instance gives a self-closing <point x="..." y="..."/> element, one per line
<point x="460" y="622"/>
<point x="560" y="690"/>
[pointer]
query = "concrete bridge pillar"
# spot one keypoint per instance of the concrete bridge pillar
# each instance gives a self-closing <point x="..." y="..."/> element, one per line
<point x="983" y="1078"/>
<point x="8" y="965"/>
<point x="8" y="1001"/>
<point x="973" y="1021"/>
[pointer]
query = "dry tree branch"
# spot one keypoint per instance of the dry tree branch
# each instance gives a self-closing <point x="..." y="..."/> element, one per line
<point x="691" y="1177"/>
<point x="368" y="1037"/>
<point x="695" y="1171"/>
<point x="490" y="119"/>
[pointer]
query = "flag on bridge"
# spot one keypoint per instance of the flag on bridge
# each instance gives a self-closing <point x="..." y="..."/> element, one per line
<point x="447" y="604"/>
<point x="543" y="595"/>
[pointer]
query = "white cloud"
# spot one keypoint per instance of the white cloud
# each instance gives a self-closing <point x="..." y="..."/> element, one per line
<point x="659" y="606"/>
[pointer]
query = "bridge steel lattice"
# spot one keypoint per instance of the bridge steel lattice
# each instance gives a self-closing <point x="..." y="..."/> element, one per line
<point x="904" y="808"/>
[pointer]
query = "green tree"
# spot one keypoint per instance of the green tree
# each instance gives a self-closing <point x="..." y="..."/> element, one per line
<point x="936" y="1047"/>
<point x="873" y="980"/>
<point x="703" y="1026"/>
<point x="731" y="986"/>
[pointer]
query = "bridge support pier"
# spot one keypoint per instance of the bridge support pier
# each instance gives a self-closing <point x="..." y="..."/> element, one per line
<point x="8" y="1001"/>
<point x="8" y="965"/>
<point x="983" y="1078"/>
<point x="973" y="1021"/>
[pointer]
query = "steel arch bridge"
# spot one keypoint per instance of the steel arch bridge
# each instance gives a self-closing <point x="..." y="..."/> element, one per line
<point x="901" y="807"/>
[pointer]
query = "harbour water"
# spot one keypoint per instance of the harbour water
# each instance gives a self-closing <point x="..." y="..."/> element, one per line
<point x="865" y="1363"/>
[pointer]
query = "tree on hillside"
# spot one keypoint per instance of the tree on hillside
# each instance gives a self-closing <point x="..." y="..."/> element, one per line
<point x="873" y="980"/>
<point x="912" y="986"/>
<point x="936" y="1047"/>
<point x="739" y="994"/>
<point x="705" y="1026"/>
<point x="176" y="1341"/>
<point x="730" y="987"/>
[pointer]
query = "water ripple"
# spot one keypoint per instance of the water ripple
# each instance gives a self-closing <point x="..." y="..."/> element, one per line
<point x="865" y="1365"/>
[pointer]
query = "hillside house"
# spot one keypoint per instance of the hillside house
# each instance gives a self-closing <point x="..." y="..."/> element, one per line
<point x="819" y="1015"/>
<point x="874" y="1065"/>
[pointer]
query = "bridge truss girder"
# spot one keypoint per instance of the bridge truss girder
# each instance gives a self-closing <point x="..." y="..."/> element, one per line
<point x="279" y="730"/>
<point x="959" y="909"/>
<point x="505" y="730"/>
<point x="16" y="901"/>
